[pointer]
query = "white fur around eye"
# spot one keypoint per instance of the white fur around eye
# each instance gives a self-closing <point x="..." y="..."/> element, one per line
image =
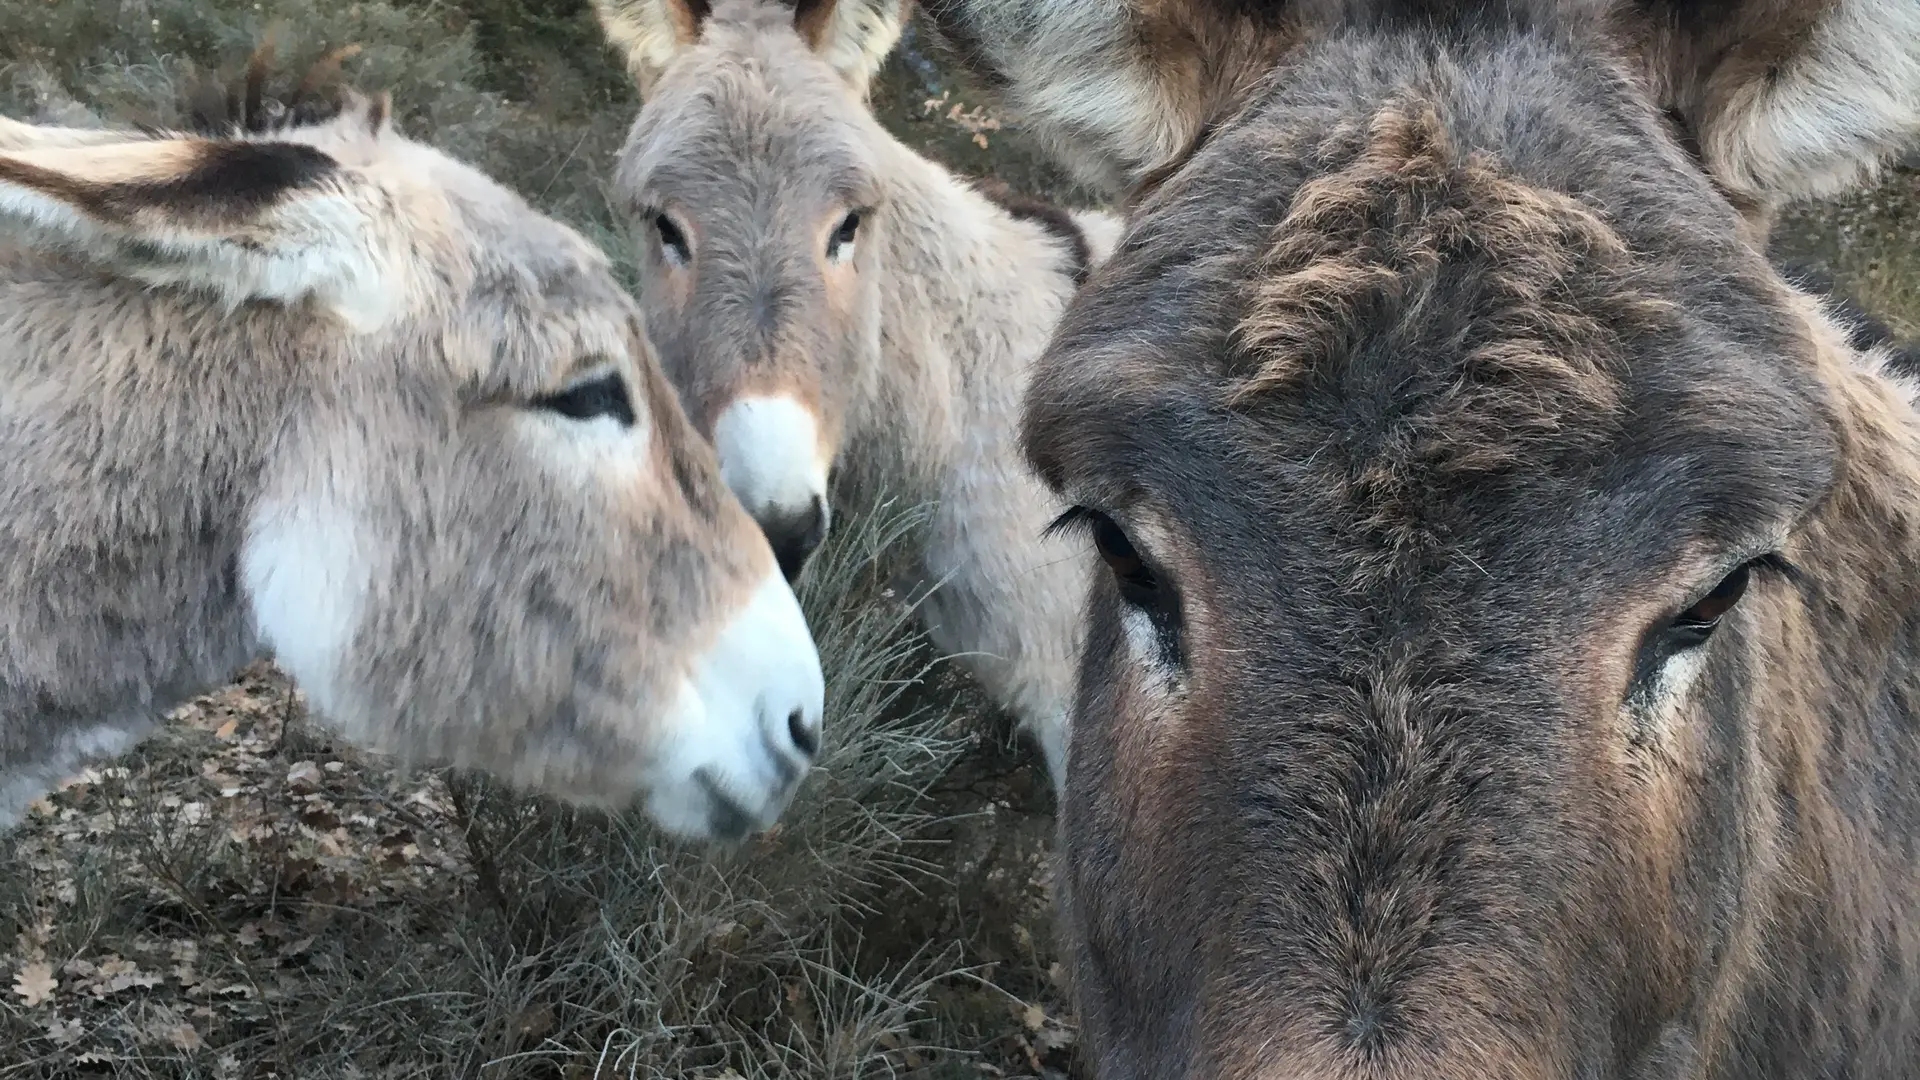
<point x="840" y="249"/>
<point x="1146" y="654"/>
<point x="1658" y="712"/>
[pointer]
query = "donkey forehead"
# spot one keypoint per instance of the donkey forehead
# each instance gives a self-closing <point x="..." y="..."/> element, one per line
<point x="1210" y="378"/>
<point x="747" y="122"/>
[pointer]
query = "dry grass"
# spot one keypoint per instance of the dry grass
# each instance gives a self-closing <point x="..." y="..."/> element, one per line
<point x="243" y="898"/>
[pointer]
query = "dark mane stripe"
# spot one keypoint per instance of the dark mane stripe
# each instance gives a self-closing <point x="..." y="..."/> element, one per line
<point x="224" y="107"/>
<point x="1054" y="219"/>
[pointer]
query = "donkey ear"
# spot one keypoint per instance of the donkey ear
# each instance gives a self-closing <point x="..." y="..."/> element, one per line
<point x="15" y="135"/>
<point x="649" y="33"/>
<point x="245" y="219"/>
<point x="852" y="36"/>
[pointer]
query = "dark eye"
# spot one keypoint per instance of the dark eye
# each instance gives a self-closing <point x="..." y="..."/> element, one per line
<point x="604" y="395"/>
<point x="1698" y="622"/>
<point x="1137" y="582"/>
<point x="840" y="244"/>
<point x="673" y="242"/>
<point x="1709" y="608"/>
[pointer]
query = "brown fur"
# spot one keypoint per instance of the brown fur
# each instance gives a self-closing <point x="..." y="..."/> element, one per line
<point x="1428" y="397"/>
<point x="1790" y="98"/>
<point x="300" y="386"/>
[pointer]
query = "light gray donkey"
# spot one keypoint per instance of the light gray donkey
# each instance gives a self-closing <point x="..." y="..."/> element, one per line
<point x="829" y="301"/>
<point x="307" y="388"/>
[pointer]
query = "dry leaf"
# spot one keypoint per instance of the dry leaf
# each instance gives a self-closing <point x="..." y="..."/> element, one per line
<point x="181" y="1035"/>
<point x="227" y="729"/>
<point x="35" y="983"/>
<point x="304" y="776"/>
<point x="1034" y="1017"/>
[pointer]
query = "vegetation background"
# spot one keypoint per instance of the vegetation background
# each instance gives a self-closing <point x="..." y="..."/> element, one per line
<point x="243" y="898"/>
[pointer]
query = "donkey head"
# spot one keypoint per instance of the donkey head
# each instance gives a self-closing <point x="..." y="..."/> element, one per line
<point x="1506" y="662"/>
<point x="754" y="180"/>
<point x="467" y="512"/>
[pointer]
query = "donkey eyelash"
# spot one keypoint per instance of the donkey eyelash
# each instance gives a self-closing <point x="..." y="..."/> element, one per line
<point x="1075" y="520"/>
<point x="1775" y="563"/>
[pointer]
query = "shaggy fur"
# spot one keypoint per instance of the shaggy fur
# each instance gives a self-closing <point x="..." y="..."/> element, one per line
<point x="1432" y="394"/>
<point x="298" y="385"/>
<point x="1786" y="98"/>
<point x="907" y="359"/>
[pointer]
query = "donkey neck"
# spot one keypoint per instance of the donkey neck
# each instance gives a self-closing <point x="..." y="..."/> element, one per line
<point x="969" y="297"/>
<point x="135" y="424"/>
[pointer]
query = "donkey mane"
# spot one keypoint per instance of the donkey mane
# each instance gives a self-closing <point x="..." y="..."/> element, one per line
<point x="222" y="107"/>
<point x="1053" y="218"/>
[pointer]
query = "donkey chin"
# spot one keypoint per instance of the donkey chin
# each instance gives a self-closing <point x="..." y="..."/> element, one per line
<point x="741" y="737"/>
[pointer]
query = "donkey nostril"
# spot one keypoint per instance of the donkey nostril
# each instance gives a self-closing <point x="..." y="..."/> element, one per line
<point x="804" y="737"/>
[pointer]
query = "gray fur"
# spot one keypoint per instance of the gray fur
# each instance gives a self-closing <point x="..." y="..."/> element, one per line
<point x="297" y="409"/>
<point x="911" y="359"/>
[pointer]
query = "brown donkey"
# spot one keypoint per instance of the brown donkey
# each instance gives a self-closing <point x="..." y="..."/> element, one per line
<point x="308" y="388"/>
<point x="1506" y="669"/>
<point x="1780" y="98"/>
<point x="828" y="301"/>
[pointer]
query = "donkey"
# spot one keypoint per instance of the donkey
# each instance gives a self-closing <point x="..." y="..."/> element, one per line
<point x="1505" y="668"/>
<point x="1780" y="99"/>
<point x="829" y="302"/>
<point x="307" y="388"/>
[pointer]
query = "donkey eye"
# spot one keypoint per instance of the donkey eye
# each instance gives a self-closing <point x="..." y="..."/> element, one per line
<point x="1137" y="582"/>
<point x="1700" y="620"/>
<point x="605" y="395"/>
<point x="673" y="242"/>
<point x="840" y="244"/>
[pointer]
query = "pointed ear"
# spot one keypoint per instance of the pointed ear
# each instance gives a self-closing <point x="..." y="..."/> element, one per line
<point x="649" y="33"/>
<point x="852" y="36"/>
<point x="15" y="135"/>
<point x="245" y="219"/>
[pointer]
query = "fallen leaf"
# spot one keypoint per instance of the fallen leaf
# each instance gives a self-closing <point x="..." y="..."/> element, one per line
<point x="181" y="1035"/>
<point x="1034" y="1017"/>
<point x="227" y="729"/>
<point x="35" y="983"/>
<point x="304" y="776"/>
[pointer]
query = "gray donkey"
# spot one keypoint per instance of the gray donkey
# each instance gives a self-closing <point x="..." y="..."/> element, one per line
<point x="827" y="300"/>
<point x="303" y="387"/>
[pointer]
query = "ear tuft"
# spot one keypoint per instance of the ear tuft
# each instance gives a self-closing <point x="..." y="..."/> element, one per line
<point x="852" y="36"/>
<point x="649" y="33"/>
